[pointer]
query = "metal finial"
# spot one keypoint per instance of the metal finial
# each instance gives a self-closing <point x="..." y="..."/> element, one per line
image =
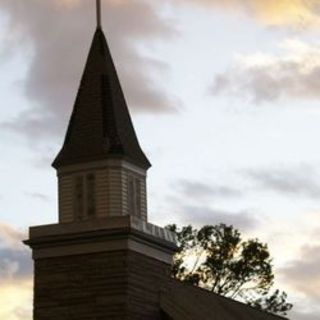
<point x="98" y="13"/>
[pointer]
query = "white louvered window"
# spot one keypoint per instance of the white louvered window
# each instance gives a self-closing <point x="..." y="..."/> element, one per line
<point x="131" y="195"/>
<point x="134" y="196"/>
<point x="84" y="196"/>
<point x="137" y="195"/>
<point x="78" y="198"/>
<point x="91" y="192"/>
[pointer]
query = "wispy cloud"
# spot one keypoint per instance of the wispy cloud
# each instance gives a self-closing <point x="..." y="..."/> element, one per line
<point x="200" y="190"/>
<point x="303" y="274"/>
<point x="292" y="74"/>
<point x="311" y="315"/>
<point x="10" y="237"/>
<point x="300" y="14"/>
<point x="202" y="215"/>
<point x="301" y="180"/>
<point x="16" y="300"/>
<point x="15" y="258"/>
<point x="15" y="275"/>
<point x="38" y="196"/>
<point x="57" y="52"/>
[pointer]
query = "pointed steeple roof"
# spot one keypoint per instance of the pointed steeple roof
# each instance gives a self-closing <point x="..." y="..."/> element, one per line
<point x="100" y="126"/>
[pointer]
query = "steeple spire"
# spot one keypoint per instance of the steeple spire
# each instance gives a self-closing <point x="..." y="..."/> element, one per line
<point x="99" y="25"/>
<point x="100" y="126"/>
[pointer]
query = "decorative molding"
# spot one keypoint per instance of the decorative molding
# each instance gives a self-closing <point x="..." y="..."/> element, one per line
<point x="101" y="165"/>
<point x="111" y="234"/>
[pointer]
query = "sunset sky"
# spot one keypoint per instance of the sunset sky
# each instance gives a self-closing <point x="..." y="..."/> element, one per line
<point x="225" y="98"/>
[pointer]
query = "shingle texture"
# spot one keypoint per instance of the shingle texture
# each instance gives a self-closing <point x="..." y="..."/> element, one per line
<point x="185" y="302"/>
<point x="100" y="126"/>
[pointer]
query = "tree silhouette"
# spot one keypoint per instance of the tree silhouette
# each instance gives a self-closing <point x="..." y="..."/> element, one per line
<point x="217" y="259"/>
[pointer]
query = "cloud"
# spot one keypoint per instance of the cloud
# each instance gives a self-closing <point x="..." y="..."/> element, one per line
<point x="16" y="300"/>
<point x="15" y="258"/>
<point x="300" y="14"/>
<point x="201" y="190"/>
<point x="54" y="36"/>
<point x="303" y="274"/>
<point x="192" y="203"/>
<point x="199" y="216"/>
<point x="294" y="315"/>
<point x="15" y="264"/>
<point x="302" y="180"/>
<point x="10" y="237"/>
<point x="294" y="74"/>
<point x="22" y="313"/>
<point x="15" y="275"/>
<point x="38" y="196"/>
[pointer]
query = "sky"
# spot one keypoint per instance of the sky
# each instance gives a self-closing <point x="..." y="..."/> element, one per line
<point x="225" y="98"/>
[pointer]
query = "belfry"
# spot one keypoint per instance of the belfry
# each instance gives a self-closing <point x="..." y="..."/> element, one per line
<point x="103" y="260"/>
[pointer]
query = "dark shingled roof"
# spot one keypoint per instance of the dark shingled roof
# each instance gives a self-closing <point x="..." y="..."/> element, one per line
<point x="100" y="126"/>
<point x="180" y="301"/>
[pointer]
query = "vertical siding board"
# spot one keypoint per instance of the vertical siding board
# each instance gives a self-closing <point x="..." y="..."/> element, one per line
<point x="101" y="193"/>
<point x="111" y="195"/>
<point x="114" y="194"/>
<point x="65" y="199"/>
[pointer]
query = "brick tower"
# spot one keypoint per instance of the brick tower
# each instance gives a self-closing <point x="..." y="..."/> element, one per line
<point x="103" y="259"/>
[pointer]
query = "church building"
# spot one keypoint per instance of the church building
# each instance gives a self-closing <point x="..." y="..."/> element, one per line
<point x="104" y="260"/>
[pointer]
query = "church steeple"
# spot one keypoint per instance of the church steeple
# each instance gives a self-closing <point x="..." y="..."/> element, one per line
<point x="101" y="166"/>
<point x="100" y="126"/>
<point x="103" y="260"/>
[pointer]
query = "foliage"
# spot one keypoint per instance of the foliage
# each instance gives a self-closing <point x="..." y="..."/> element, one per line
<point x="217" y="259"/>
<point x="275" y="302"/>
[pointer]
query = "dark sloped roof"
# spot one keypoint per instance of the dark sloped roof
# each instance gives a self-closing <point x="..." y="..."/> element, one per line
<point x="185" y="302"/>
<point x="100" y="126"/>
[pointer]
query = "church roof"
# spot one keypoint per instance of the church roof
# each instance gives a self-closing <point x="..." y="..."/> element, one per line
<point x="181" y="301"/>
<point x="100" y="126"/>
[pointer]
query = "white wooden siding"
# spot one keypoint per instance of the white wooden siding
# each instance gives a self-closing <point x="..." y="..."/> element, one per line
<point x="111" y="191"/>
<point x="66" y="199"/>
<point x="102" y="187"/>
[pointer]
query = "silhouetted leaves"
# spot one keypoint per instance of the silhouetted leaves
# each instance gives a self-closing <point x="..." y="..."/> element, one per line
<point x="217" y="259"/>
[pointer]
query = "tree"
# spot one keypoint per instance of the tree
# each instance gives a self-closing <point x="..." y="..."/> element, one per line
<point x="218" y="259"/>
